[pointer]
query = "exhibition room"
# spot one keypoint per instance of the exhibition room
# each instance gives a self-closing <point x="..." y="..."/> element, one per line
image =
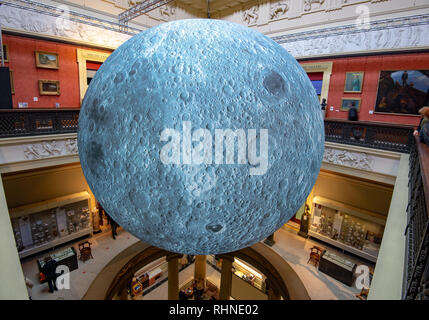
<point x="214" y="150"/>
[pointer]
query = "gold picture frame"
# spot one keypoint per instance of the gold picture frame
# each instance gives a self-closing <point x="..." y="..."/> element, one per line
<point x="347" y="102"/>
<point x="12" y="85"/>
<point x="49" y="87"/>
<point x="354" y="82"/>
<point x="399" y="94"/>
<point x="5" y="52"/>
<point x="47" y="60"/>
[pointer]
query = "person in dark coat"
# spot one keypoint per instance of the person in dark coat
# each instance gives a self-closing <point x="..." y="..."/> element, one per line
<point x="100" y="212"/>
<point x="113" y="225"/>
<point x="49" y="270"/>
<point x="353" y="113"/>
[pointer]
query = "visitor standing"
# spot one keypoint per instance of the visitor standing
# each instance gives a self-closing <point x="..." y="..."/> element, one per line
<point x="49" y="270"/>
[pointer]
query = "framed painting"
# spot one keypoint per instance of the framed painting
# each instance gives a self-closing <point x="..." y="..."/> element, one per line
<point x="5" y="53"/>
<point x="347" y="103"/>
<point x="49" y="87"/>
<point x="354" y="82"/>
<point x="47" y="60"/>
<point x="402" y="91"/>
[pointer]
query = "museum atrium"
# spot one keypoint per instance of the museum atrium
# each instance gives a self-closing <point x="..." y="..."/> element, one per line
<point x="362" y="232"/>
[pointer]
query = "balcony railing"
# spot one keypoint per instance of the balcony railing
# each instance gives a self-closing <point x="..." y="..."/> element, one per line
<point x="417" y="232"/>
<point x="32" y="122"/>
<point x="387" y="136"/>
<point x="377" y="135"/>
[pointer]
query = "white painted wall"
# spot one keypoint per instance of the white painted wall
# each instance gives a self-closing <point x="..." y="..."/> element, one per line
<point x="389" y="270"/>
<point x="11" y="277"/>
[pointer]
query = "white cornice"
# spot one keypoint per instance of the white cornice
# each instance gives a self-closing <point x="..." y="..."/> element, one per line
<point x="33" y="139"/>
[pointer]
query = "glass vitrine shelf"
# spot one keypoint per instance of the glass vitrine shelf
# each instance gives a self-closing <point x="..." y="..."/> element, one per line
<point x="351" y="229"/>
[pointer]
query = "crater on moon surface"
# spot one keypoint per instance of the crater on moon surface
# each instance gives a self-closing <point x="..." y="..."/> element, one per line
<point x="171" y="88"/>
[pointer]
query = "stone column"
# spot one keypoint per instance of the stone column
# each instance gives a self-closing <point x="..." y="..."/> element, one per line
<point x="200" y="268"/>
<point x="124" y="294"/>
<point x="173" y="276"/>
<point x="226" y="277"/>
<point x="270" y="240"/>
<point x="272" y="292"/>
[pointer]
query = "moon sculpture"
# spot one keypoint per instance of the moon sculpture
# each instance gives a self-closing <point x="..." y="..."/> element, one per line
<point x="201" y="136"/>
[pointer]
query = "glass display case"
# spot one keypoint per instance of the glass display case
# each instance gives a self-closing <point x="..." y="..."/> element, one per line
<point x="249" y="274"/>
<point x="337" y="267"/>
<point x="67" y="257"/>
<point x="38" y="227"/>
<point x="348" y="228"/>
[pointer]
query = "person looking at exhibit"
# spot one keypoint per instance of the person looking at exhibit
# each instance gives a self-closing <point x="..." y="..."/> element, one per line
<point x="423" y="128"/>
<point x="424" y="113"/>
<point x="49" y="270"/>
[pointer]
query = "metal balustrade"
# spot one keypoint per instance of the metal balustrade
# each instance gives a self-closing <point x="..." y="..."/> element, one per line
<point x="385" y="136"/>
<point x="392" y="137"/>
<point x="20" y="123"/>
<point x="417" y="232"/>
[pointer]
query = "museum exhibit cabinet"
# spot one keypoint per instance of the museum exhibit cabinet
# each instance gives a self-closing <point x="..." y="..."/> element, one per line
<point x="66" y="257"/>
<point x="152" y="274"/>
<point x="351" y="229"/>
<point x="247" y="283"/>
<point x="47" y="224"/>
<point x="337" y="267"/>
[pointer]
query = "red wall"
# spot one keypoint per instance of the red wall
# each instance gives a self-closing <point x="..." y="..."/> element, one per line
<point x="371" y="65"/>
<point x="26" y="76"/>
<point x="22" y="62"/>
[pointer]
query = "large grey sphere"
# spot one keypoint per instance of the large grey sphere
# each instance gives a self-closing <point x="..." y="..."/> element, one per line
<point x="183" y="80"/>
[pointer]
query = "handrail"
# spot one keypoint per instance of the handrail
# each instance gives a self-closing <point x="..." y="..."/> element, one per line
<point x="378" y="135"/>
<point x="423" y="151"/>
<point x="32" y="122"/>
<point x="417" y="232"/>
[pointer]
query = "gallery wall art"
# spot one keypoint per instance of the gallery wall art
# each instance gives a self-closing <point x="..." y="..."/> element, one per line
<point x="402" y="91"/>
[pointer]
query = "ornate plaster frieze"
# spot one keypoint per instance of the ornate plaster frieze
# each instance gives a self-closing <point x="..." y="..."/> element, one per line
<point x="278" y="9"/>
<point x="25" y="153"/>
<point x="123" y="4"/>
<point x="250" y="16"/>
<point x="49" y="149"/>
<point x="167" y="12"/>
<point x="333" y="5"/>
<point x="19" y="19"/>
<point x="408" y="32"/>
<point x="310" y="5"/>
<point x="357" y="160"/>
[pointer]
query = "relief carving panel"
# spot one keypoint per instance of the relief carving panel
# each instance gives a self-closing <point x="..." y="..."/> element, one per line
<point x="49" y="149"/>
<point x="167" y="11"/>
<point x="48" y="25"/>
<point x="410" y="36"/>
<point x="250" y="16"/>
<point x="357" y="160"/>
<point x="278" y="10"/>
<point x="310" y="5"/>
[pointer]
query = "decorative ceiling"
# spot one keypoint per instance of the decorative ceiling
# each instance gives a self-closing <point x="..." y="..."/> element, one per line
<point x="216" y="6"/>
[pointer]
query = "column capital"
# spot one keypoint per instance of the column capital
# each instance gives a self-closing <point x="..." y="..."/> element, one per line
<point x="226" y="256"/>
<point x="172" y="255"/>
